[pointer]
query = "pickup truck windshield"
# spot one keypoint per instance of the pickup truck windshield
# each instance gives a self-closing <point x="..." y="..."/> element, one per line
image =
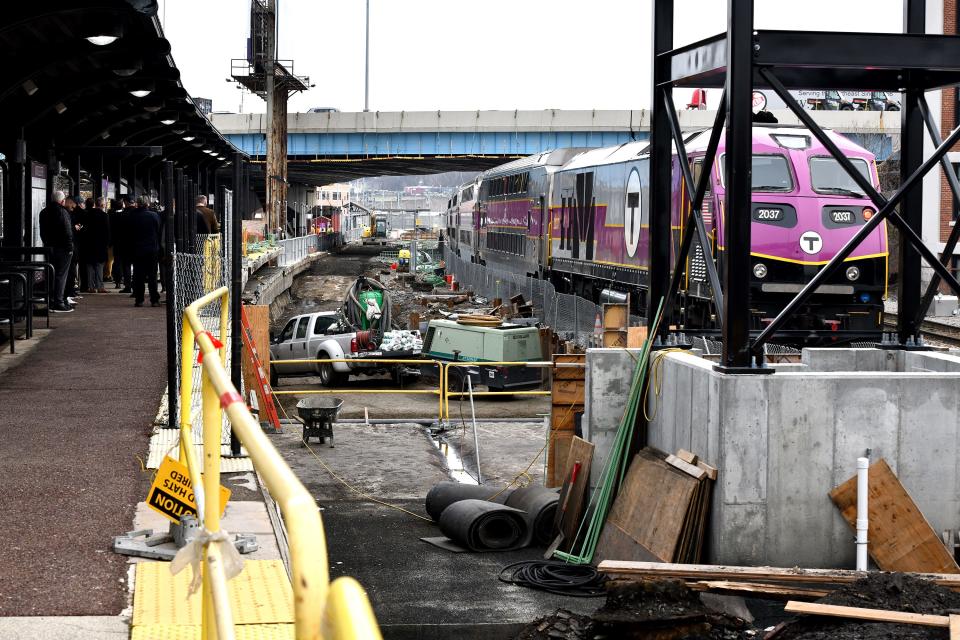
<point x="827" y="176"/>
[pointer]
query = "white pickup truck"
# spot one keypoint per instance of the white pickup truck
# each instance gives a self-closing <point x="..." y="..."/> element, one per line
<point x="320" y="336"/>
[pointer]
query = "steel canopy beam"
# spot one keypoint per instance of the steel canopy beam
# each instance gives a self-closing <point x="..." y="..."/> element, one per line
<point x="736" y="356"/>
<point x="695" y="193"/>
<point x="954" y="236"/>
<point x="841" y="60"/>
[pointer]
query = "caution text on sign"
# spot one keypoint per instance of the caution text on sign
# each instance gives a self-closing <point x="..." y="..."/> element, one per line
<point x="171" y="493"/>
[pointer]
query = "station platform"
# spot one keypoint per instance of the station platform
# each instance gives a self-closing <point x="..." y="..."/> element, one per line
<point x="77" y="411"/>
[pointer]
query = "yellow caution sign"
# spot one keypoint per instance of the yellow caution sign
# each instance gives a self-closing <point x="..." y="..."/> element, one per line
<point x="171" y="493"/>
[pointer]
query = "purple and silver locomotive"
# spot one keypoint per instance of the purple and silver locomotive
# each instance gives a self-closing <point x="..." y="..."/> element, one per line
<point x="594" y="240"/>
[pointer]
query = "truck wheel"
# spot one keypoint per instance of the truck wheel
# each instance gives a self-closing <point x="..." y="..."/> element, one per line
<point x="329" y="377"/>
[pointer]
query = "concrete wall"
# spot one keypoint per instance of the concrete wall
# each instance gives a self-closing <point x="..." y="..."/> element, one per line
<point x="609" y="373"/>
<point x="783" y="441"/>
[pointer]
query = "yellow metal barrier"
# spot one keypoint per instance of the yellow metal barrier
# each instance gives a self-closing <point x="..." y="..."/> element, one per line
<point x="449" y="365"/>
<point x="439" y="391"/>
<point x="322" y="610"/>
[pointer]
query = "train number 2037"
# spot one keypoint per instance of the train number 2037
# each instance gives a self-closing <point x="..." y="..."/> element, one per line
<point x="772" y="215"/>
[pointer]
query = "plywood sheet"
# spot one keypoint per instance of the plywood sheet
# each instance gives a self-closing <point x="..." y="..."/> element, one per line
<point x="563" y="417"/>
<point x="557" y="453"/>
<point x="900" y="538"/>
<point x="567" y="392"/>
<point x="574" y="494"/>
<point x="649" y="515"/>
<point x="569" y="373"/>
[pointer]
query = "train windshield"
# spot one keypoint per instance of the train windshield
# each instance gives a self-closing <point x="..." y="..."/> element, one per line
<point x="770" y="173"/>
<point x="827" y="176"/>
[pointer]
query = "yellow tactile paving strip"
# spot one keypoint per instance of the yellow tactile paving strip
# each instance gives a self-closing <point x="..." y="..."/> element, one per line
<point x="243" y="632"/>
<point x="260" y="595"/>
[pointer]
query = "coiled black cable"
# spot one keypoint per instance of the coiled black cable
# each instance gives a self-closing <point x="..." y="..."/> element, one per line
<point x="560" y="578"/>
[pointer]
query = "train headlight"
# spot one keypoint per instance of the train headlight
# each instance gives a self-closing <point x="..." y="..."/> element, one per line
<point x="853" y="273"/>
<point x="867" y="213"/>
<point x="760" y="271"/>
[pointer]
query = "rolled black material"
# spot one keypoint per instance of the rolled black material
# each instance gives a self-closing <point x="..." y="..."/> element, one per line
<point x="479" y="525"/>
<point x="444" y="494"/>
<point x="539" y="505"/>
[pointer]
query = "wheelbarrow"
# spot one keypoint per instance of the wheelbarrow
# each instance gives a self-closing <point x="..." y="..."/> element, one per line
<point x="318" y="415"/>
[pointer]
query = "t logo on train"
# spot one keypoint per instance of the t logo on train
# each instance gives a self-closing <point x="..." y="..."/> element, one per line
<point x="579" y="218"/>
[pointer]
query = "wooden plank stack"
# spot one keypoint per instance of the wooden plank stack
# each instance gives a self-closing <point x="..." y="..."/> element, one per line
<point x="567" y="398"/>
<point x="616" y="319"/>
<point x="900" y="537"/>
<point x="661" y="511"/>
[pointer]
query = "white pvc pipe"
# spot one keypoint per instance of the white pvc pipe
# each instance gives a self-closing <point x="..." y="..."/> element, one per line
<point x="863" y="464"/>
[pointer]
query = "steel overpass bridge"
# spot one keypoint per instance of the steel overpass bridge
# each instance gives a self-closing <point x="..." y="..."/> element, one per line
<point x="339" y="146"/>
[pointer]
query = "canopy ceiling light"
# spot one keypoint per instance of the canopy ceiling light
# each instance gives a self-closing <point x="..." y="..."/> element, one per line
<point x="60" y="107"/>
<point x="30" y="87"/>
<point x="198" y="143"/>
<point x="141" y="93"/>
<point x="187" y="138"/>
<point x="126" y="72"/>
<point x="102" y="40"/>
<point x="169" y="119"/>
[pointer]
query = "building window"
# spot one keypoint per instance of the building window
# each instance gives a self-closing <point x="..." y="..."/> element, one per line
<point x="954" y="212"/>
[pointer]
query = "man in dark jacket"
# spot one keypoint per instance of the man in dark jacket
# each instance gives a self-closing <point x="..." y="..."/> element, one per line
<point x="94" y="243"/>
<point x="206" y="217"/>
<point x="56" y="231"/>
<point x="143" y="227"/>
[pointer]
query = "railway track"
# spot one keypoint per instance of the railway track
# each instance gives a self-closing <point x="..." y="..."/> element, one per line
<point x="935" y="332"/>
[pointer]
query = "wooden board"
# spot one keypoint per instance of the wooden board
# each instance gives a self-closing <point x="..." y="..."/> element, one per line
<point x="636" y="336"/>
<point x="567" y="392"/>
<point x="954" y="626"/>
<point x="648" y="517"/>
<point x="900" y="537"/>
<point x="615" y="316"/>
<point x="615" y="338"/>
<point x="574" y="495"/>
<point x="557" y="452"/>
<point x="570" y="373"/>
<point x="645" y="570"/>
<point x="563" y="418"/>
<point x="873" y="615"/>
<point x="759" y="589"/>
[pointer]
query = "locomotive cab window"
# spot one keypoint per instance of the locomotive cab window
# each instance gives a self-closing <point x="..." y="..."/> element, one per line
<point x="827" y="176"/>
<point x="770" y="173"/>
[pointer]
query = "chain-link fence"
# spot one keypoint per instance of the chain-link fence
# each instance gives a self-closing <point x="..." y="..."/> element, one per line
<point x="195" y="275"/>
<point x="571" y="317"/>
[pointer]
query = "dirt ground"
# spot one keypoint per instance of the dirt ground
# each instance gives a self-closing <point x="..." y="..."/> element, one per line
<point x="324" y="289"/>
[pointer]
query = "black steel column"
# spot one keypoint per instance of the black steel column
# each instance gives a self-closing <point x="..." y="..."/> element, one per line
<point x="911" y="157"/>
<point x="736" y="221"/>
<point x="660" y="204"/>
<point x="15" y="223"/>
<point x="236" y="286"/>
<point x="178" y="198"/>
<point x="116" y="187"/>
<point x="173" y="384"/>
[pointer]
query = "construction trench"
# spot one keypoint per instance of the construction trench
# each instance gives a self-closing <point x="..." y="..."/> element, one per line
<point x="741" y="472"/>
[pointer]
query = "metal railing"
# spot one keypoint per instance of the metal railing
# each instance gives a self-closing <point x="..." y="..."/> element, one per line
<point x="321" y="609"/>
<point x="296" y="249"/>
<point x="439" y="391"/>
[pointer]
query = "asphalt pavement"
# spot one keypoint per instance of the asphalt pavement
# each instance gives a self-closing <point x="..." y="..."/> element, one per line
<point x="76" y="417"/>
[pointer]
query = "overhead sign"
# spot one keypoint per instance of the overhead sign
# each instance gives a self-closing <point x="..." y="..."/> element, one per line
<point x="759" y="101"/>
<point x="171" y="493"/>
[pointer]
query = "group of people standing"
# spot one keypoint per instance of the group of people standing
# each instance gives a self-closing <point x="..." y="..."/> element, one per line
<point x="89" y="246"/>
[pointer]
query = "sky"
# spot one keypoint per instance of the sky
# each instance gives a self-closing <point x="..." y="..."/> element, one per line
<point x="465" y="55"/>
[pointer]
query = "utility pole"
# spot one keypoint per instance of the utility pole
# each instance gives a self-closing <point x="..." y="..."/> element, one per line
<point x="366" y="71"/>
<point x="272" y="80"/>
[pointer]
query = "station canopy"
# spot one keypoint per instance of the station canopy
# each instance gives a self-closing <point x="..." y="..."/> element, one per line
<point x="97" y="76"/>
